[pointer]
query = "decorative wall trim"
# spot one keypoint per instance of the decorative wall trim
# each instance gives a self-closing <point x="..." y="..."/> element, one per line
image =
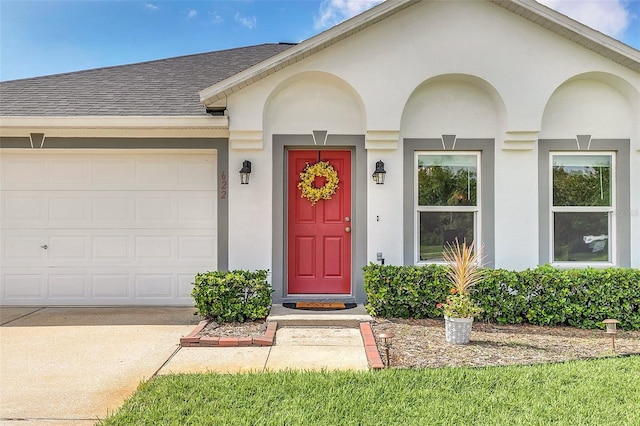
<point x="584" y="141"/>
<point x="37" y="140"/>
<point x="523" y="140"/>
<point x="382" y="139"/>
<point x="320" y="137"/>
<point x="246" y="139"/>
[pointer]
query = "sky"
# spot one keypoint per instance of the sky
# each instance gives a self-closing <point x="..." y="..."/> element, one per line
<point x="43" y="37"/>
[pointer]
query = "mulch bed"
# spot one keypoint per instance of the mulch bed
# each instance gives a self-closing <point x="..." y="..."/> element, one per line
<point x="420" y="343"/>
<point x="234" y="329"/>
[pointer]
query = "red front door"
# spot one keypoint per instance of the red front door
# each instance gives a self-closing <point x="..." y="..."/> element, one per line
<point x="319" y="236"/>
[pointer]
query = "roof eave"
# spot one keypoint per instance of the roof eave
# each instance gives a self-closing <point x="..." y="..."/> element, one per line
<point x="578" y="32"/>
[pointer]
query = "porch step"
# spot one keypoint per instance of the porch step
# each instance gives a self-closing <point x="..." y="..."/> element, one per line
<point x="286" y="317"/>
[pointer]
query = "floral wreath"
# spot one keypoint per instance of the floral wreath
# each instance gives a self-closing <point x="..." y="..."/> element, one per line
<point x="307" y="177"/>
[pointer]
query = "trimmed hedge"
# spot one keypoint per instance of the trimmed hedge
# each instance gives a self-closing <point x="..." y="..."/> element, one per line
<point x="232" y="296"/>
<point x="541" y="296"/>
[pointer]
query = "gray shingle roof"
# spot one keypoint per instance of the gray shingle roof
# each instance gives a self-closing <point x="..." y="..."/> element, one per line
<point x="156" y="88"/>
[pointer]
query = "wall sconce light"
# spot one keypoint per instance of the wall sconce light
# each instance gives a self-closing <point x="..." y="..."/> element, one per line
<point x="378" y="175"/>
<point x="611" y="329"/>
<point x="386" y="343"/>
<point x="245" y="171"/>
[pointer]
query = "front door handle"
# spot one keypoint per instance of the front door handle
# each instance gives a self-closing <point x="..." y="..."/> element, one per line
<point x="347" y="229"/>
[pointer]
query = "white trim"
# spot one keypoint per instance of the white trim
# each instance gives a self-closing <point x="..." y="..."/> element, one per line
<point x="115" y="126"/>
<point x="477" y="209"/>
<point x="382" y="139"/>
<point x="135" y="151"/>
<point x="574" y="26"/>
<point x="610" y="209"/>
<point x="246" y="139"/>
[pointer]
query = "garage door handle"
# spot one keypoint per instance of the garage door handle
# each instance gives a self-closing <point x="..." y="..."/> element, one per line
<point x="44" y="246"/>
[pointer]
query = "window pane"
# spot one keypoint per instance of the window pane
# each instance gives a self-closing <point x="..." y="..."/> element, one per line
<point x="439" y="228"/>
<point x="447" y="180"/>
<point x="581" y="237"/>
<point x="581" y="180"/>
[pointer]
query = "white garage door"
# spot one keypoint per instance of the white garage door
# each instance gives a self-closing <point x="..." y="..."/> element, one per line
<point x="106" y="227"/>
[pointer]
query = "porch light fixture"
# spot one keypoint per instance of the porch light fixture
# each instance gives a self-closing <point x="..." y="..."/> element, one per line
<point x="378" y="175"/>
<point x="386" y="344"/>
<point x="611" y="329"/>
<point x="245" y="171"/>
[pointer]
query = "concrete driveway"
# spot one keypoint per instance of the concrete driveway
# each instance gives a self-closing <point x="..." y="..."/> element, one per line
<point x="73" y="366"/>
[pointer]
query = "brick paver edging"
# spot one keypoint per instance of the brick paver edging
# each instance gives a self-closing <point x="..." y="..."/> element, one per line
<point x="193" y="340"/>
<point x="370" y="347"/>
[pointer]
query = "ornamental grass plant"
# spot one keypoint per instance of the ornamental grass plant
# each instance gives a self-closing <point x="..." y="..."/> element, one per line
<point x="464" y="271"/>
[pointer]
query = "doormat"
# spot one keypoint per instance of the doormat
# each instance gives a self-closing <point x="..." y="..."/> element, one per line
<point x="320" y="306"/>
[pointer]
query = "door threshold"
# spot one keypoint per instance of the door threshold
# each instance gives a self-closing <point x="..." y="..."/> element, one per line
<point x="319" y="306"/>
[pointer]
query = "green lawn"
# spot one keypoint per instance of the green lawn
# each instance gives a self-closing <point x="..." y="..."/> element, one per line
<point x="599" y="392"/>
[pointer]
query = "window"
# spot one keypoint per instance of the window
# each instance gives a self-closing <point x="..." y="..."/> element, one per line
<point x="447" y="201"/>
<point x="582" y="207"/>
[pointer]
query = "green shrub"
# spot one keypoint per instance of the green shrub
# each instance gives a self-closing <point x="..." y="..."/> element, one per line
<point x="405" y="291"/>
<point x="541" y="296"/>
<point x="232" y="296"/>
<point x="502" y="296"/>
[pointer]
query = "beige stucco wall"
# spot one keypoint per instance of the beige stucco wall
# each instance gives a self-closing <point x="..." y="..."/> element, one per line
<point x="470" y="69"/>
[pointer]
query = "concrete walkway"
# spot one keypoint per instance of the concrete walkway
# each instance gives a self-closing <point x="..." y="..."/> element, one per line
<point x="73" y="366"/>
<point x="297" y="348"/>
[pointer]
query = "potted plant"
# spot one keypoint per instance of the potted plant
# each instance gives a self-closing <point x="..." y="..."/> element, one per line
<point x="464" y="271"/>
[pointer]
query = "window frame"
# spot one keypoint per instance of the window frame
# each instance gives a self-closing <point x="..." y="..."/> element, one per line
<point x="610" y="209"/>
<point x="417" y="209"/>
<point x="585" y="143"/>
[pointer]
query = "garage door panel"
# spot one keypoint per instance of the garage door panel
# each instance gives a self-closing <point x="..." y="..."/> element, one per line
<point x="159" y="248"/>
<point x="155" y="210"/>
<point x="65" y="209"/>
<point x="116" y="209"/>
<point x="68" y="286"/>
<point x="196" y="173"/>
<point x="67" y="172"/>
<point x="110" y="247"/>
<point x="197" y="208"/>
<point x="136" y="171"/>
<point x="23" y="286"/>
<point x="119" y="227"/>
<point x="185" y="283"/>
<point x="99" y="286"/>
<point x="112" y="172"/>
<point x="68" y="248"/>
<point x="111" y="210"/>
<point x="23" y="173"/>
<point x="110" y="286"/>
<point x="27" y="248"/>
<point x="196" y="248"/>
<point x="158" y="172"/>
<point x="26" y="210"/>
<point x="153" y="285"/>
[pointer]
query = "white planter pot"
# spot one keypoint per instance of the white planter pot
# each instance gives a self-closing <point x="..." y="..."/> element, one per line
<point x="458" y="330"/>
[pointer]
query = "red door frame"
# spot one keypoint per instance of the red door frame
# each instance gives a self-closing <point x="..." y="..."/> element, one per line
<point x="319" y="242"/>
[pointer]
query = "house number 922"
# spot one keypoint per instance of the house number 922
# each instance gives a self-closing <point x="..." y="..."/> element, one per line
<point x="223" y="186"/>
